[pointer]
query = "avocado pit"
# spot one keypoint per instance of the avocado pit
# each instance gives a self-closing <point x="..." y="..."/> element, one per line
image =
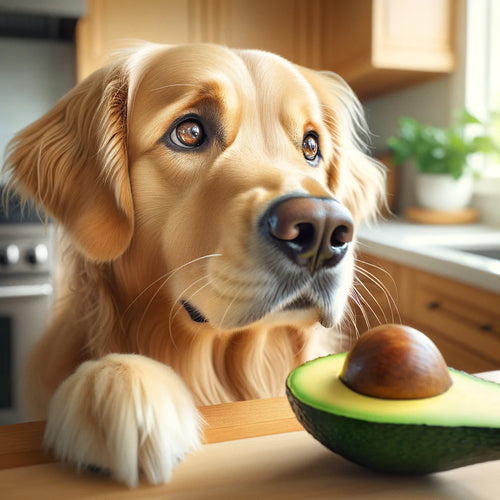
<point x="395" y="362"/>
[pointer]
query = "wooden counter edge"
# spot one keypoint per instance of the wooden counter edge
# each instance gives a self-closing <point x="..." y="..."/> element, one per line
<point x="21" y="444"/>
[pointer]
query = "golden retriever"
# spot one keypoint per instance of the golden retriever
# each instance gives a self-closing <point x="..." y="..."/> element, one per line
<point x="209" y="200"/>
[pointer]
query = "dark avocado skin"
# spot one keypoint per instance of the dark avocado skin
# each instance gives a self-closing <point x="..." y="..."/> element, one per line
<point x="398" y="448"/>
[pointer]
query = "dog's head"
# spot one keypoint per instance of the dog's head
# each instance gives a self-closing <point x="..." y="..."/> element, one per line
<point x="233" y="179"/>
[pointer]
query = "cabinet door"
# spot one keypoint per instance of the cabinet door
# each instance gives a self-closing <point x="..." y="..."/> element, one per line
<point x="286" y="27"/>
<point x="382" y="45"/>
<point x="412" y="35"/>
<point x="467" y="316"/>
<point x="111" y="24"/>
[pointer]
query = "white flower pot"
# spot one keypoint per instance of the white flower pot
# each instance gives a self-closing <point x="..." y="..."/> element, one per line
<point x="442" y="191"/>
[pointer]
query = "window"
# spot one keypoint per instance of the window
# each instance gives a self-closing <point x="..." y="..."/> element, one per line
<point x="482" y="71"/>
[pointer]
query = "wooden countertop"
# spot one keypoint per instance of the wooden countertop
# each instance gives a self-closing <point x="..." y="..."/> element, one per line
<point x="255" y="449"/>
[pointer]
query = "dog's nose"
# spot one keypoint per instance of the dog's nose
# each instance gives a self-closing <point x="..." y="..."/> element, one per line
<point x="312" y="232"/>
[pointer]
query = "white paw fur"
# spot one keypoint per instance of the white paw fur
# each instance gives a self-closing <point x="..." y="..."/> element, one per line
<point x="124" y="413"/>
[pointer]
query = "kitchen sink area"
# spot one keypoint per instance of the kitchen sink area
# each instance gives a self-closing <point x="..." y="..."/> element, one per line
<point x="491" y="252"/>
<point x="469" y="253"/>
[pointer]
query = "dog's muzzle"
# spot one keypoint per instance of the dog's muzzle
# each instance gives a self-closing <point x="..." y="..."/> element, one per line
<point x="306" y="238"/>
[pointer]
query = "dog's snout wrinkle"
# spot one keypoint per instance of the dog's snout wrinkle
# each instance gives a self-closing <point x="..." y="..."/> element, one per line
<point x="312" y="232"/>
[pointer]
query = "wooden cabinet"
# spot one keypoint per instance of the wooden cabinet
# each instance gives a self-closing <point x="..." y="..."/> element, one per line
<point x="462" y="320"/>
<point x="376" y="45"/>
<point x="285" y="27"/>
<point x="384" y="45"/>
<point x="467" y="317"/>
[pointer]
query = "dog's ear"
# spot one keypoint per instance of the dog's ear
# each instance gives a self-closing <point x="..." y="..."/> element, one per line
<point x="73" y="162"/>
<point x="357" y="180"/>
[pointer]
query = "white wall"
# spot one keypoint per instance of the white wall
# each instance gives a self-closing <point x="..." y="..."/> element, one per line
<point x="34" y="74"/>
<point x="429" y="103"/>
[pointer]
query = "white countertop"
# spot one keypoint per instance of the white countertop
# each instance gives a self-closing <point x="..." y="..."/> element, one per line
<point x="435" y="248"/>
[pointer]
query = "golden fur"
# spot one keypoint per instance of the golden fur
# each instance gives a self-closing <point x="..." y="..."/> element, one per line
<point x="146" y="226"/>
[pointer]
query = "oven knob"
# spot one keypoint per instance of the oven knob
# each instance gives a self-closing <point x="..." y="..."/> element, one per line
<point x="38" y="255"/>
<point x="9" y="256"/>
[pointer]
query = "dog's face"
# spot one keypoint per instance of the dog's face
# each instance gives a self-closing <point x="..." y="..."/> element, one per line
<point x="232" y="180"/>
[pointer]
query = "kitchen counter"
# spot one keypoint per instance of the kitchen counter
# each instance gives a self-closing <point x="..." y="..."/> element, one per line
<point x="255" y="449"/>
<point x="436" y="249"/>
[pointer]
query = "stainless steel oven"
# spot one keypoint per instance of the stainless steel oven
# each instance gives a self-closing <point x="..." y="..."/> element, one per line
<point x="26" y="295"/>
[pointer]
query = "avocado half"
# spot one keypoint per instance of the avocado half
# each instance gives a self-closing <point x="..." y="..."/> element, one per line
<point x="420" y="436"/>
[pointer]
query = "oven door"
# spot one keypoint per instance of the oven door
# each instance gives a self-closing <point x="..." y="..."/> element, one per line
<point x="23" y="315"/>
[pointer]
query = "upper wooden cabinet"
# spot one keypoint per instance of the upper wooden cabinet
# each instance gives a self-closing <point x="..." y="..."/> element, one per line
<point x="376" y="45"/>
<point x="382" y="45"/>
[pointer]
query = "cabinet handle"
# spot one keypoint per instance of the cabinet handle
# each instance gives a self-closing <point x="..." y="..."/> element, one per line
<point x="433" y="305"/>
<point x="486" y="327"/>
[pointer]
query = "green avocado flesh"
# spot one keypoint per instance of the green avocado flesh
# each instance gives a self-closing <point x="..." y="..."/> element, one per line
<point x="456" y="428"/>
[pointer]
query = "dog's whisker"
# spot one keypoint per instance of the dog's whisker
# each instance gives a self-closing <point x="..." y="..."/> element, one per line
<point x="391" y="301"/>
<point x="347" y="328"/>
<point x="169" y="275"/>
<point x="166" y="278"/>
<point x="367" y="302"/>
<point x="379" y="268"/>
<point x="352" y="319"/>
<point x="370" y="294"/>
<point x="363" y="299"/>
<point x="358" y="300"/>
<point x="146" y="309"/>
<point x="174" y="85"/>
<point x="235" y="298"/>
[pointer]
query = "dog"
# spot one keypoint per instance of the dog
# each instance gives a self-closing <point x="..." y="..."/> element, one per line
<point x="208" y="201"/>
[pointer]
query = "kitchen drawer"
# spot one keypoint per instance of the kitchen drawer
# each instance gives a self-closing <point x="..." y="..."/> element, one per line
<point x="455" y="354"/>
<point x="465" y="315"/>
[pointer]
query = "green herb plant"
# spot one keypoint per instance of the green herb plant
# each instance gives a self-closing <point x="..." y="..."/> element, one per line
<point x="443" y="150"/>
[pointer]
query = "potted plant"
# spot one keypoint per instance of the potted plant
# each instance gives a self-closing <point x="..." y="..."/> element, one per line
<point x="441" y="156"/>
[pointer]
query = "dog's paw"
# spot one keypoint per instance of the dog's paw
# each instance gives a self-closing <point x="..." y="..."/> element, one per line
<point x="124" y="413"/>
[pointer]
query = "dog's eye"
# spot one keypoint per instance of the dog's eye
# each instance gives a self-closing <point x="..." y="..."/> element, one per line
<point x="188" y="134"/>
<point x="310" y="148"/>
